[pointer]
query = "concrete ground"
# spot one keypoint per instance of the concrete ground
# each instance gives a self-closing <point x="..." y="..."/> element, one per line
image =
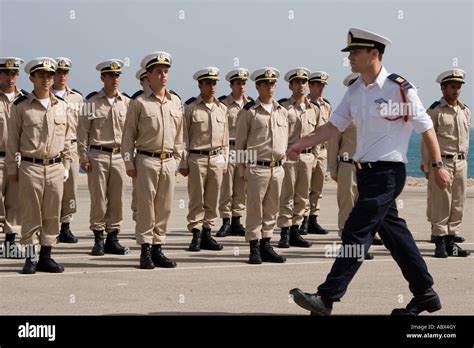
<point x="222" y="282"/>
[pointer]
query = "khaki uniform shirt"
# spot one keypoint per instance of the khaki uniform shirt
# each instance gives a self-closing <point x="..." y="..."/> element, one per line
<point x="5" y="106"/>
<point x="233" y="109"/>
<point x="344" y="146"/>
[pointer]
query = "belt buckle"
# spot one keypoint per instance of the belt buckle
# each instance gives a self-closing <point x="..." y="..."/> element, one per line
<point x="370" y="165"/>
<point x="163" y="155"/>
<point x="359" y="165"/>
<point x="115" y="150"/>
<point x="45" y="161"/>
<point x="272" y="164"/>
<point x="455" y="156"/>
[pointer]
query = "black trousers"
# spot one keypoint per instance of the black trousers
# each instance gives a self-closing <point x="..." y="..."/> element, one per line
<point x="376" y="210"/>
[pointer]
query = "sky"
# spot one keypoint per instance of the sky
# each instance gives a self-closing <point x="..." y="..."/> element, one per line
<point x="428" y="37"/>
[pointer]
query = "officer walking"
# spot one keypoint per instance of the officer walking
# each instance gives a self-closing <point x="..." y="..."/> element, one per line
<point x="99" y="137"/>
<point x="206" y="138"/>
<point x="262" y="131"/>
<point x="154" y="127"/>
<point x="317" y="82"/>
<point x="232" y="195"/>
<point x="74" y="100"/>
<point x="380" y="160"/>
<point x="38" y="131"/>
<point x="303" y="118"/>
<point x="9" y="210"/>
<point x="452" y="122"/>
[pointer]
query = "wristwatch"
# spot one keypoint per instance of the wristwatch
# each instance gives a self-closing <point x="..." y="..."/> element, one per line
<point x="438" y="164"/>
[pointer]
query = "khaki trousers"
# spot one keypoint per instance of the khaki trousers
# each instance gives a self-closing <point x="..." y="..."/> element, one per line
<point x="232" y="196"/>
<point x="69" y="201"/>
<point x="317" y="183"/>
<point x="9" y="202"/>
<point x="347" y="193"/>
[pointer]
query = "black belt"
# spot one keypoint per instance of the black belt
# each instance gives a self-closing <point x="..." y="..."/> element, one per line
<point x="161" y="155"/>
<point x="73" y="141"/>
<point x="206" y="152"/>
<point x="2" y="154"/>
<point x="45" y="161"/>
<point x="308" y="150"/>
<point x="341" y="159"/>
<point x="113" y="150"/>
<point x="460" y="156"/>
<point x="270" y="164"/>
<point x="372" y="165"/>
<point x="322" y="147"/>
<point x="232" y="142"/>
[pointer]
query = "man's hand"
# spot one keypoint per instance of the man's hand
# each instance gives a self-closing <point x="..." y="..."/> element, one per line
<point x="441" y="177"/>
<point x="13" y="177"/>
<point x="86" y="166"/>
<point x="184" y="171"/>
<point x="132" y="173"/>
<point x="66" y="175"/>
<point x="293" y="153"/>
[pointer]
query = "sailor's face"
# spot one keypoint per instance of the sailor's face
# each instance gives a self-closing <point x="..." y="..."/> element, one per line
<point x="360" y="59"/>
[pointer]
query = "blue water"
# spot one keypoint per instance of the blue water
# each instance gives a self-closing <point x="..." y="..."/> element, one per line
<point x="413" y="166"/>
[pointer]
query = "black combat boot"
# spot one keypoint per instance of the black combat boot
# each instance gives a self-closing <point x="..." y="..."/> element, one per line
<point x="284" y="238"/>
<point x="236" y="228"/>
<point x="159" y="259"/>
<point x="145" y="257"/>
<point x="314" y="227"/>
<point x="65" y="234"/>
<point x="98" y="248"/>
<point x="196" y="242"/>
<point x="112" y="245"/>
<point x="31" y="261"/>
<point x="454" y="249"/>
<point x="224" y="231"/>
<point x="46" y="263"/>
<point x="268" y="254"/>
<point x="255" y="258"/>
<point x="10" y="249"/>
<point x="427" y="301"/>
<point x="207" y="242"/>
<point x="296" y="240"/>
<point x="304" y="226"/>
<point x="440" y="250"/>
<point x="457" y="239"/>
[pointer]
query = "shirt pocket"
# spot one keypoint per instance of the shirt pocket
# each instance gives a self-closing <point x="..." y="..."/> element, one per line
<point x="380" y="118"/>
<point x="99" y="117"/>
<point x="445" y="124"/>
<point x="199" y="117"/>
<point x="32" y="127"/>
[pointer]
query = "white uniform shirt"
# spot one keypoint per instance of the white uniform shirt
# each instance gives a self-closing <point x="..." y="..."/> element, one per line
<point x="379" y="139"/>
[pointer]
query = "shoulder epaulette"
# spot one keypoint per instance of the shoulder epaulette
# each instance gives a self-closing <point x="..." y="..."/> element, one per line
<point x="24" y="92"/>
<point x="251" y="99"/>
<point x="314" y="103"/>
<point x="435" y="104"/>
<point x="190" y="100"/>
<point x="282" y="100"/>
<point x="327" y="101"/>
<point x="467" y="106"/>
<point x="58" y="97"/>
<point x="221" y="98"/>
<point x="174" y="93"/>
<point x="91" y="94"/>
<point x="20" y="99"/>
<point x="249" y="105"/>
<point x="137" y="93"/>
<point x="75" y="90"/>
<point x="125" y="94"/>
<point x="400" y="80"/>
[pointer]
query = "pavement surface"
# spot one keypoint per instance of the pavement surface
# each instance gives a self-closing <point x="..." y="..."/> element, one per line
<point x="222" y="282"/>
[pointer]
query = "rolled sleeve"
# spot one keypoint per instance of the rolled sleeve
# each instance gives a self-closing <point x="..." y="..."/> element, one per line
<point x="341" y="117"/>
<point x="420" y="120"/>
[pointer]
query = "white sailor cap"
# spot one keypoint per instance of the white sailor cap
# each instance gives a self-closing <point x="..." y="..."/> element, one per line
<point x="456" y="75"/>
<point x="265" y="74"/>
<point x="297" y="73"/>
<point x="110" y="66"/>
<point x="360" y="38"/>
<point x="209" y="73"/>
<point x="41" y="63"/>
<point x="319" y="76"/>
<point x="154" y="58"/>
<point x="350" y="79"/>
<point x="63" y="63"/>
<point x="237" y="74"/>
<point x="141" y="73"/>
<point x="10" y="63"/>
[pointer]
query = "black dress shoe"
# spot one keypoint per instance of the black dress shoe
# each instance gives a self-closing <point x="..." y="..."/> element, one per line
<point x="159" y="259"/>
<point x="316" y="304"/>
<point x="236" y="228"/>
<point x="428" y="301"/>
<point x="224" y="231"/>
<point x="65" y="234"/>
